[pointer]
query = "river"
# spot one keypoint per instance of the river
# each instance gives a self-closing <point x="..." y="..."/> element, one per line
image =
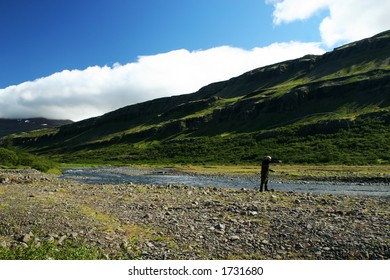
<point x="124" y="175"/>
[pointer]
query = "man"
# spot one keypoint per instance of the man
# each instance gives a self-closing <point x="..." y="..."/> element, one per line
<point x="265" y="171"/>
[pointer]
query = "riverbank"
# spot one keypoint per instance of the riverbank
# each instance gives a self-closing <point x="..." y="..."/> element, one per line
<point x="138" y="221"/>
<point x="378" y="174"/>
<point x="328" y="174"/>
<point x="175" y="176"/>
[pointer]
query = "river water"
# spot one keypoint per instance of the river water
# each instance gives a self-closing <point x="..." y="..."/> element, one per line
<point x="123" y="175"/>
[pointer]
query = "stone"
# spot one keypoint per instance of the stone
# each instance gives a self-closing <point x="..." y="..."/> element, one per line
<point x="62" y="239"/>
<point x="4" y="180"/>
<point x="27" y="237"/>
<point x="220" y="227"/>
<point x="150" y="244"/>
<point x="234" y="238"/>
<point x="50" y="239"/>
<point x="147" y="216"/>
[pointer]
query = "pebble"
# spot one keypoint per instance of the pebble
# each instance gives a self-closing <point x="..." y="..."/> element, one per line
<point x="4" y="180"/>
<point x="220" y="227"/>
<point x="150" y="244"/>
<point x="234" y="238"/>
<point x="176" y="222"/>
<point x="253" y="208"/>
<point x="27" y="237"/>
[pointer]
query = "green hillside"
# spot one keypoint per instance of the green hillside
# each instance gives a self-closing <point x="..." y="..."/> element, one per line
<point x="329" y="109"/>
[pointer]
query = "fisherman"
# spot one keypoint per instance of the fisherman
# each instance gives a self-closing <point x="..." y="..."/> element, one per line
<point x="265" y="171"/>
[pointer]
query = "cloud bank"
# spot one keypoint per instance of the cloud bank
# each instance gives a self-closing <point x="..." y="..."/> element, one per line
<point x="348" y="20"/>
<point x="80" y="94"/>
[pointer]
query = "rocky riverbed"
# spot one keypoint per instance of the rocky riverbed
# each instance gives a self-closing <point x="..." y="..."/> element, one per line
<point x="139" y="221"/>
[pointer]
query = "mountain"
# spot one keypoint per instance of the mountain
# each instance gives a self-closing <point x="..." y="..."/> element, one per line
<point x="11" y="126"/>
<point x="333" y="108"/>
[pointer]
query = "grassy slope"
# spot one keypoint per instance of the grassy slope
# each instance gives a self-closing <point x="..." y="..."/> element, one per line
<point x="271" y="110"/>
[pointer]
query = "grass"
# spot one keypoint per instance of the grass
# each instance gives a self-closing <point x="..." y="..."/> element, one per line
<point x="16" y="158"/>
<point x="140" y="233"/>
<point x="219" y="104"/>
<point x="74" y="165"/>
<point x="362" y="141"/>
<point x="46" y="250"/>
<point x="108" y="223"/>
<point x="220" y="169"/>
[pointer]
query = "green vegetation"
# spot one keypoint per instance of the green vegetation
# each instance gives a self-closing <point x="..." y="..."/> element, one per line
<point x="362" y="142"/>
<point x="46" y="250"/>
<point x="12" y="158"/>
<point x="330" y="109"/>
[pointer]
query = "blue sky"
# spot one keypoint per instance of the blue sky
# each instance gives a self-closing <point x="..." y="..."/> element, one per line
<point x="52" y="52"/>
<point x="45" y="36"/>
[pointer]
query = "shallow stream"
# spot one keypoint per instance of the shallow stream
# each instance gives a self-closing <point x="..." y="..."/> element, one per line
<point x="123" y="175"/>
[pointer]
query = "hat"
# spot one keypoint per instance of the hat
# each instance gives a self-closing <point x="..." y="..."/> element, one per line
<point x="267" y="158"/>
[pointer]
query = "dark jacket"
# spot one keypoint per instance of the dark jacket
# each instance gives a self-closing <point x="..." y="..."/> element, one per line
<point x="265" y="168"/>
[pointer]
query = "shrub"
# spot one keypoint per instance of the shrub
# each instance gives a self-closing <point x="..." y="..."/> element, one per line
<point x="36" y="162"/>
<point x="8" y="157"/>
<point x="14" y="158"/>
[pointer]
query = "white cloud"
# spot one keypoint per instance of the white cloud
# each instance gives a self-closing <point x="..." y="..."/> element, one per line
<point x="79" y="94"/>
<point x="348" y="20"/>
<point x="291" y="10"/>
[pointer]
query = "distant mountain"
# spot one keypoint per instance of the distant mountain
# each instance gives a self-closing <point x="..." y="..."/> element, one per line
<point x="333" y="108"/>
<point x="11" y="126"/>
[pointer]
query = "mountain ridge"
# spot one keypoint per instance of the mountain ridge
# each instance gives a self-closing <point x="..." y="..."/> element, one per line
<point x="12" y="126"/>
<point x="344" y="86"/>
